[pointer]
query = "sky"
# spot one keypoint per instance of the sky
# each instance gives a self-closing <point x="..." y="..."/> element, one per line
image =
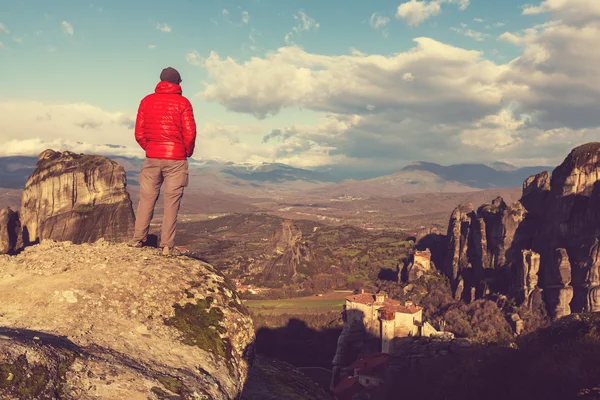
<point x="368" y="85"/>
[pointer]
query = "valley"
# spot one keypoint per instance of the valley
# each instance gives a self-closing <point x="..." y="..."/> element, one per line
<point x="295" y="247"/>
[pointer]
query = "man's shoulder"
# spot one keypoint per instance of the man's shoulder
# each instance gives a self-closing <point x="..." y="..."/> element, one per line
<point x="185" y="101"/>
<point x="147" y="97"/>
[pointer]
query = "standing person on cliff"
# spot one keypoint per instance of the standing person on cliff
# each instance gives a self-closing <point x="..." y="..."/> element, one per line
<point x="165" y="128"/>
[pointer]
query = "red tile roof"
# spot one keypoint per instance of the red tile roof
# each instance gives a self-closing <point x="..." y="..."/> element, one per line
<point x="370" y="364"/>
<point x="347" y="388"/>
<point x="389" y="304"/>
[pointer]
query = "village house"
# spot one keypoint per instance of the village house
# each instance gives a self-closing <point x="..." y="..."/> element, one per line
<point x="245" y="288"/>
<point x="383" y="317"/>
<point x="368" y="374"/>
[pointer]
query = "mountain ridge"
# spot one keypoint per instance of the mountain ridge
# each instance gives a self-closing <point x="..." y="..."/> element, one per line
<point x="14" y="171"/>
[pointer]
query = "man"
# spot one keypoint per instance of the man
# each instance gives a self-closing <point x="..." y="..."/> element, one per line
<point x="166" y="130"/>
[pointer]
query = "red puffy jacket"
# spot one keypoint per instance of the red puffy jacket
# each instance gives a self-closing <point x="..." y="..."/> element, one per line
<point x="165" y="126"/>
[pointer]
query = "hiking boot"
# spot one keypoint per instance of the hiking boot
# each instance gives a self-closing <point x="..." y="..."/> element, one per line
<point x="135" y="243"/>
<point x="173" y="251"/>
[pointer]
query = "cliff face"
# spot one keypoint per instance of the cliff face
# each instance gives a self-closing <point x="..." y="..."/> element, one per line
<point x="78" y="198"/>
<point x="107" y="321"/>
<point x="10" y="229"/>
<point x="553" y="229"/>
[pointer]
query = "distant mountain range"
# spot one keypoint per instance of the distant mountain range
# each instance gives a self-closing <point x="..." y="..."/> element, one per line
<point x="480" y="176"/>
<point x="414" y="178"/>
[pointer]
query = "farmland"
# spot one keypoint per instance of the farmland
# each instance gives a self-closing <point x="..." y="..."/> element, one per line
<point x="329" y="302"/>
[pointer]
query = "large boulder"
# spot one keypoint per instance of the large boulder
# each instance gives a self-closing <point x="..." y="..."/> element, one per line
<point x="107" y="321"/>
<point x="10" y="230"/>
<point x="78" y="198"/>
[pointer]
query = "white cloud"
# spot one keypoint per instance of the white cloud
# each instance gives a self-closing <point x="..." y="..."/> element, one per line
<point x="151" y="46"/>
<point x="448" y="103"/>
<point x="67" y="28"/>
<point x="292" y="77"/>
<point x="305" y="24"/>
<point x="164" y="28"/>
<point x="33" y="147"/>
<point x="4" y="29"/>
<point x="417" y="11"/>
<point x="225" y="12"/>
<point x="30" y="127"/>
<point x="245" y="17"/>
<point x="570" y="11"/>
<point x="19" y="40"/>
<point x="479" y="36"/>
<point x="495" y="25"/>
<point x="379" y="22"/>
<point x="1" y="45"/>
<point x="194" y="58"/>
<point x="478" y="20"/>
<point x="510" y="38"/>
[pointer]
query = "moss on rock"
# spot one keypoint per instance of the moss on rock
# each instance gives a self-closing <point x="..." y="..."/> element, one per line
<point x="84" y="208"/>
<point x="25" y="381"/>
<point x="179" y="391"/>
<point x="200" y="326"/>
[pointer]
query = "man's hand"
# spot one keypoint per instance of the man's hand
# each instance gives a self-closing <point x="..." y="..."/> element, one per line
<point x="140" y="128"/>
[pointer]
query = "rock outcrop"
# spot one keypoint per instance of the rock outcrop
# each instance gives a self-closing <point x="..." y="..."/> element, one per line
<point x="107" y="321"/>
<point x="527" y="289"/>
<point x="77" y="198"/>
<point x="10" y="229"/>
<point x="419" y="264"/>
<point x="286" y="253"/>
<point x="552" y="231"/>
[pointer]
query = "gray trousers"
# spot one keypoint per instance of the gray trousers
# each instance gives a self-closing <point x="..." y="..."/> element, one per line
<point x="174" y="174"/>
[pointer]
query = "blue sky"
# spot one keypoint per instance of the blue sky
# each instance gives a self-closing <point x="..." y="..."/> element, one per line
<point x="102" y="57"/>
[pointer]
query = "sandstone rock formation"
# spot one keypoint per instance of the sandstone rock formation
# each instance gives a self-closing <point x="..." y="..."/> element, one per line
<point x="78" y="198"/>
<point x="557" y="218"/>
<point x="527" y="289"/>
<point x="419" y="264"/>
<point x="287" y="251"/>
<point x="10" y="230"/>
<point x="106" y="321"/>
<point x="593" y="278"/>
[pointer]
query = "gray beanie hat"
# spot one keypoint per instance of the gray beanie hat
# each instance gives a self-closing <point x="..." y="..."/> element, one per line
<point x="170" y="74"/>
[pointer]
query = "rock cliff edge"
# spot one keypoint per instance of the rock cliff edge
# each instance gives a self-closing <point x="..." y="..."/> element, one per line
<point x="107" y="321"/>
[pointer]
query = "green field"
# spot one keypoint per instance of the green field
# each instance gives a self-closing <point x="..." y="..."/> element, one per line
<point x="304" y="305"/>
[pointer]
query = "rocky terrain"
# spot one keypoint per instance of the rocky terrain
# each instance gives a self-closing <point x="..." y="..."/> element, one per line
<point x="264" y="249"/>
<point x="79" y="198"/>
<point x="106" y="321"/>
<point x="552" y="232"/>
<point x="272" y="379"/>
